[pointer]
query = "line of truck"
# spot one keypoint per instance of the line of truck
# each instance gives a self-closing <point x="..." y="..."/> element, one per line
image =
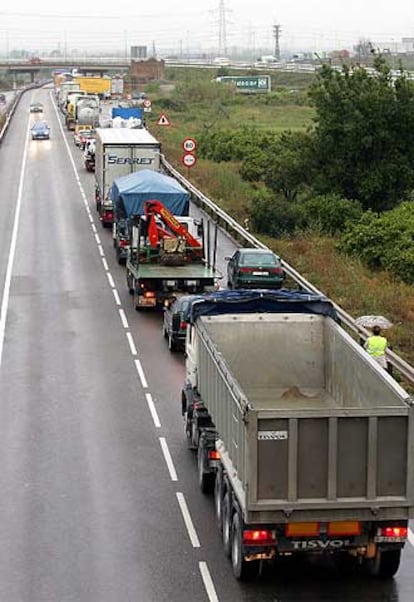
<point x="306" y="443"/>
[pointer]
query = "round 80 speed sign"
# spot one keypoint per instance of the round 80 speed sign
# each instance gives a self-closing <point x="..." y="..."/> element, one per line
<point x="189" y="160"/>
<point x="189" y="145"/>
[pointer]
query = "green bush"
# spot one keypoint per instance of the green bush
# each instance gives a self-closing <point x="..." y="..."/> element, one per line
<point x="330" y="214"/>
<point x="275" y="216"/>
<point x="384" y="241"/>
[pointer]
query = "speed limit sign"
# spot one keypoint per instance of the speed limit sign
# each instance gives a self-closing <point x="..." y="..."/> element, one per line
<point x="189" y="145"/>
<point x="189" y="160"/>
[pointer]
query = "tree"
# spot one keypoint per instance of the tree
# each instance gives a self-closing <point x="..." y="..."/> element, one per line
<point x="364" y="135"/>
<point x="282" y="162"/>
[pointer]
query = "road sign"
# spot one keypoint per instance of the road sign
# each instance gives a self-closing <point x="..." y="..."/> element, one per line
<point x="147" y="103"/>
<point x="248" y="83"/>
<point x="189" y="160"/>
<point x="163" y="120"/>
<point x="189" y="145"/>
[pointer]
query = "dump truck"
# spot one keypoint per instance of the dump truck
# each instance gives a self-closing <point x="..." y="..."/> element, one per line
<point x="128" y="195"/>
<point x="167" y="257"/>
<point x="119" y="152"/>
<point x="306" y="441"/>
<point x="95" y="85"/>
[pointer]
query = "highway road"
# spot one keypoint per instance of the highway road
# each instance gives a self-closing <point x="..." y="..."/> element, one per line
<point x="99" y="499"/>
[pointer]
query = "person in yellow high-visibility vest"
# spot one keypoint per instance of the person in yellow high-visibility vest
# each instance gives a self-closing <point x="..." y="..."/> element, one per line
<point x="376" y="346"/>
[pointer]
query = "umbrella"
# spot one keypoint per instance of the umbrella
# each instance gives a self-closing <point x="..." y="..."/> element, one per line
<point x="371" y="321"/>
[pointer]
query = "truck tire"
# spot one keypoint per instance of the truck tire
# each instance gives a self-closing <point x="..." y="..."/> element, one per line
<point x="130" y="283"/>
<point x="172" y="345"/>
<point x="242" y="570"/>
<point x="226" y="522"/>
<point x="218" y="498"/>
<point x="385" y="564"/>
<point x="205" y="479"/>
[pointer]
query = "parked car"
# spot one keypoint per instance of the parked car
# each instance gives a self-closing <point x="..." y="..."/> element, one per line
<point x="82" y="136"/>
<point x="174" y="327"/>
<point x="254" y="268"/>
<point x="36" y="107"/>
<point x="40" y="131"/>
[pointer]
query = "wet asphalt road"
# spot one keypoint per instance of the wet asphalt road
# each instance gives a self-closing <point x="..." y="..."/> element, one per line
<point x="90" y="508"/>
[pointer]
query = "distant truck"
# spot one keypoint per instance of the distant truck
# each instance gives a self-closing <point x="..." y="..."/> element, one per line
<point x="70" y="108"/>
<point x="306" y="441"/>
<point x="87" y="112"/>
<point x="167" y="257"/>
<point x="128" y="195"/>
<point x="64" y="89"/>
<point x="100" y="86"/>
<point x="128" y="117"/>
<point x="119" y="152"/>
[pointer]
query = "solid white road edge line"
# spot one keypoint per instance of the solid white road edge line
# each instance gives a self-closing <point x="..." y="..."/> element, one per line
<point x="153" y="410"/>
<point x="208" y="582"/>
<point x="12" y="251"/>
<point x="168" y="459"/>
<point x="195" y="542"/>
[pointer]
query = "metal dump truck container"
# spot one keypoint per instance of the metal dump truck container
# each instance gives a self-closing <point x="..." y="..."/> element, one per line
<point x="308" y="426"/>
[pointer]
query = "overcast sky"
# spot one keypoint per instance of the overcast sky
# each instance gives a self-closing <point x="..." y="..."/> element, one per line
<point x="173" y="24"/>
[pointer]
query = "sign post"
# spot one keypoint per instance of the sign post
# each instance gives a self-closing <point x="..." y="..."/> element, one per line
<point x="189" y="159"/>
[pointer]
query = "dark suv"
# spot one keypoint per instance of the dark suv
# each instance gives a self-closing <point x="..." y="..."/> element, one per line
<point x="174" y="328"/>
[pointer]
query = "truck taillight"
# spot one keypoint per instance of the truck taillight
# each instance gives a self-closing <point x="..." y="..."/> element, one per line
<point x="262" y="537"/>
<point x="123" y="243"/>
<point x="149" y="294"/>
<point x="394" y="531"/>
<point x="213" y="454"/>
<point x="183" y="325"/>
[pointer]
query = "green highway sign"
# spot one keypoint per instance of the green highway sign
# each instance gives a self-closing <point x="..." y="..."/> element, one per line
<point x="248" y="83"/>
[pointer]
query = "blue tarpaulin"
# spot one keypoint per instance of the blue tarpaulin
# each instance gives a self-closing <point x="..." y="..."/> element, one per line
<point x="259" y="301"/>
<point x="127" y="112"/>
<point x="130" y="192"/>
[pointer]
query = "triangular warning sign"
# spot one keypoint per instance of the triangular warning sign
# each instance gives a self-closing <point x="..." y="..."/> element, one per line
<point x="163" y="120"/>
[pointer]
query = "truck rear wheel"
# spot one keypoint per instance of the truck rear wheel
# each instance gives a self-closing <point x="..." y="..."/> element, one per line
<point x="172" y="346"/>
<point x="226" y="522"/>
<point x="218" y="498"/>
<point x="205" y="479"/>
<point x="242" y="570"/>
<point x="385" y="564"/>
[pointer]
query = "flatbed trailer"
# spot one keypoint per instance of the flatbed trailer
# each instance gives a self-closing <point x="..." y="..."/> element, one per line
<point x="152" y="284"/>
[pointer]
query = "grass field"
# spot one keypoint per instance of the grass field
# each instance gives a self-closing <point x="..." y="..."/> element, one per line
<point x="355" y="288"/>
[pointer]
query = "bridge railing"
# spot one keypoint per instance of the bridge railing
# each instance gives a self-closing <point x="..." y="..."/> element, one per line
<point x="245" y="238"/>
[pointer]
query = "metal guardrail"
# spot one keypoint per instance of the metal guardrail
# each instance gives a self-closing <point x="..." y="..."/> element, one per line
<point x="246" y="238"/>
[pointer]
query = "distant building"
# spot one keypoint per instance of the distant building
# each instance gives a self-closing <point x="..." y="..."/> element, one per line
<point x="143" y="72"/>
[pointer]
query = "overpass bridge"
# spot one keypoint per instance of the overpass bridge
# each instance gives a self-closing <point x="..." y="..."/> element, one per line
<point x="93" y="65"/>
